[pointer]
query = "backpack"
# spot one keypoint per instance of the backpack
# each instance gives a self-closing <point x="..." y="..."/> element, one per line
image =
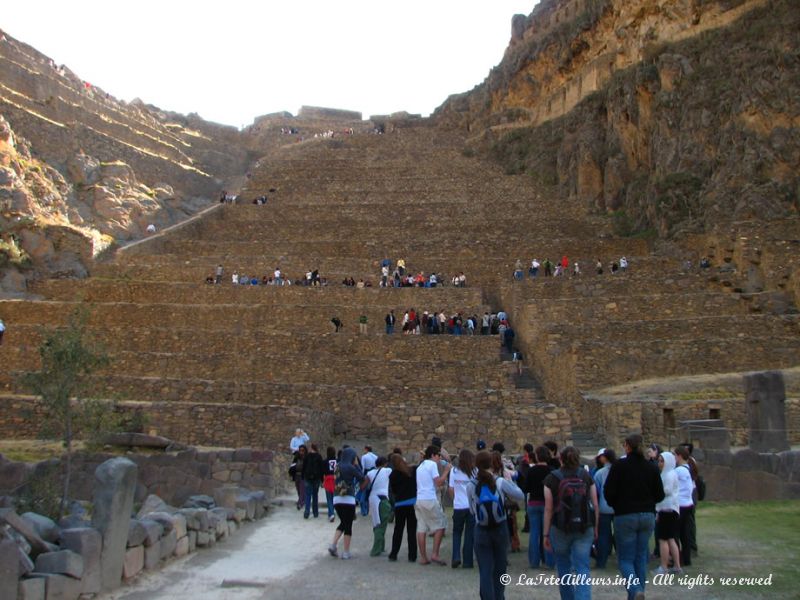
<point x="572" y="503"/>
<point x="490" y="509"/>
<point x="341" y="487"/>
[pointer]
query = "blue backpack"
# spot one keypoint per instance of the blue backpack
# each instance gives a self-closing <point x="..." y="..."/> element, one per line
<point x="490" y="508"/>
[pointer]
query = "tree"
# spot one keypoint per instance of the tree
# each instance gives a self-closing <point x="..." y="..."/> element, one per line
<point x="68" y="357"/>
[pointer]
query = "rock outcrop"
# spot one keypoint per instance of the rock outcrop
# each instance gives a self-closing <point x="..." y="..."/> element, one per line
<point x="673" y="115"/>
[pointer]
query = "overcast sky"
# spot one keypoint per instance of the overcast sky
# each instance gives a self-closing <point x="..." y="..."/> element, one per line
<point x="232" y="60"/>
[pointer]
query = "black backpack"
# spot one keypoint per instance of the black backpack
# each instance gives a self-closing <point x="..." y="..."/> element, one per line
<point x="572" y="503"/>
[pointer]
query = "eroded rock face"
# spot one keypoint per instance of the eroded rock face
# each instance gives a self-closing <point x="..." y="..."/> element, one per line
<point x="627" y="107"/>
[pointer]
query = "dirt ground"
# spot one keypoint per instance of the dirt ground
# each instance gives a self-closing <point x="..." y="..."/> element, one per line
<point x="284" y="557"/>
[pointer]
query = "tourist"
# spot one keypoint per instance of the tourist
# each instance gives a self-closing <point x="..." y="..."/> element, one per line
<point x="299" y="484"/>
<point x="368" y="460"/>
<point x="570" y="525"/>
<point x="668" y="516"/>
<point x="300" y="438"/>
<point x="487" y="497"/>
<point x="344" y="501"/>
<point x="312" y="471"/>
<point x="485" y="320"/>
<point x="384" y="275"/>
<point x="390" y="321"/>
<point x="379" y="507"/>
<point x="553" y="461"/>
<point x="503" y="467"/>
<point x="632" y="489"/>
<point x="576" y="269"/>
<point x="534" y="270"/>
<point x="686" y="502"/>
<point x="606" y="458"/>
<point x="328" y="479"/>
<point x="151" y="229"/>
<point x="463" y="519"/>
<point x="508" y="339"/>
<point x="362" y="324"/>
<point x="218" y="274"/>
<point x="534" y="488"/>
<point x="403" y="488"/>
<point x="428" y="510"/>
<point x="598" y="267"/>
<point x="518" y="274"/>
<point x="623" y="263"/>
<point x="337" y="324"/>
<point x="2" y="331"/>
<point x="548" y="268"/>
<point x="235" y="278"/>
<point x="401" y="267"/>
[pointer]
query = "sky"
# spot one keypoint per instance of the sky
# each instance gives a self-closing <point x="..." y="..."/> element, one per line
<point x="232" y="60"/>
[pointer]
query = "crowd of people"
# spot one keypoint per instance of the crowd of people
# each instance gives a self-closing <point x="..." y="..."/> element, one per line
<point x="572" y="512"/>
<point x="547" y="268"/>
<point x="277" y="277"/>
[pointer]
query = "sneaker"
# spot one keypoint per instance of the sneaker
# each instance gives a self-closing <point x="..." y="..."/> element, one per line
<point x="346" y="556"/>
<point x="331" y="519"/>
<point x="455" y="564"/>
<point x="392" y="558"/>
<point x="677" y="571"/>
<point x="332" y="550"/>
<point x="660" y="571"/>
<point x="305" y="516"/>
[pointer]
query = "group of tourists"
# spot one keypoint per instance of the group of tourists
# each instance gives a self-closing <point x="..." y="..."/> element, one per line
<point x="399" y="276"/>
<point x="560" y="268"/>
<point x="571" y="512"/>
<point x="311" y="278"/>
<point x="414" y="322"/>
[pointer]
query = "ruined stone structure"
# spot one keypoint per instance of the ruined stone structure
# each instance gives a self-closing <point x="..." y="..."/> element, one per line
<point x="646" y="349"/>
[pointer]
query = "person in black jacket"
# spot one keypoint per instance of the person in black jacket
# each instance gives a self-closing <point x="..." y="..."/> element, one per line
<point x="312" y="471"/>
<point x="632" y="489"/>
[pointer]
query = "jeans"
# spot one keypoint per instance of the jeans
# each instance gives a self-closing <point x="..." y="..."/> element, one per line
<point x="312" y="497"/>
<point x="363" y="501"/>
<point x="405" y="518"/>
<point x="633" y="534"/>
<point x="491" y="550"/>
<point x="572" y="552"/>
<point x="604" y="540"/>
<point x="463" y="520"/>
<point x="329" y="501"/>
<point x="389" y="329"/>
<point x="536" y="552"/>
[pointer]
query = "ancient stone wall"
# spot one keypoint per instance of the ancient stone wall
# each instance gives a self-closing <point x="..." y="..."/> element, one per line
<point x="318" y="112"/>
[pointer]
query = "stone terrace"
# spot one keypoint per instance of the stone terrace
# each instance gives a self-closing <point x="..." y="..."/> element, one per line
<point x="192" y="354"/>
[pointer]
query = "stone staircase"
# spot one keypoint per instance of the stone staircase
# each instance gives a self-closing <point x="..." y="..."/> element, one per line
<point x="224" y="364"/>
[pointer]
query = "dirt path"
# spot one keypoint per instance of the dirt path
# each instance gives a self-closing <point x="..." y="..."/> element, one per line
<point x="284" y="557"/>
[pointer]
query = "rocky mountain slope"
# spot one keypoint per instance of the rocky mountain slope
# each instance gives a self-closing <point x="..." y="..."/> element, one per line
<point x="77" y="163"/>
<point x="672" y="116"/>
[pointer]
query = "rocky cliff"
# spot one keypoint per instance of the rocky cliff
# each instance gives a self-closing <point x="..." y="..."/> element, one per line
<point x="672" y="115"/>
<point x="77" y="163"/>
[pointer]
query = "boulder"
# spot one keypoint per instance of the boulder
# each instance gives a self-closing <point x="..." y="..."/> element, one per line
<point x="45" y="527"/>
<point x="115" y="482"/>
<point x="182" y="547"/>
<point x="168" y="544"/>
<point x="226" y="496"/>
<point x="200" y="501"/>
<point x="9" y="517"/>
<point x="152" y="556"/>
<point x="63" y="562"/>
<point x="87" y="542"/>
<point x="137" y="440"/>
<point x="151" y="505"/>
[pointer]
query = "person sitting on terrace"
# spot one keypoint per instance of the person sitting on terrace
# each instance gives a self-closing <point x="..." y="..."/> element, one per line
<point x="254" y="280"/>
<point x="210" y="279"/>
<point x="315" y="277"/>
<point x="360" y="284"/>
<point x="266" y="280"/>
<point x="235" y="278"/>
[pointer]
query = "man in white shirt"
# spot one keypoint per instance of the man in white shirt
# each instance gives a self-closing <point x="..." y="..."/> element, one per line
<point x="367" y="464"/>
<point x="428" y="509"/>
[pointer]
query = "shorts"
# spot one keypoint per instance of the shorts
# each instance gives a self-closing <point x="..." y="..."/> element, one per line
<point x="430" y="516"/>
<point x="667" y="527"/>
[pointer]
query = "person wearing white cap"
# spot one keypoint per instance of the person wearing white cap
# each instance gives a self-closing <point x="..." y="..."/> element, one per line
<point x="605" y="458"/>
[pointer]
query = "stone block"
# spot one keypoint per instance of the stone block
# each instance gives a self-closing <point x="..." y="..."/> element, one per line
<point x="232" y="527"/>
<point x="25" y="562"/>
<point x="766" y="411"/>
<point x="248" y="505"/>
<point x="134" y="562"/>
<point x="747" y="460"/>
<point x="708" y="434"/>
<point x="63" y="562"/>
<point x="200" y="501"/>
<point x="152" y="556"/>
<point x="192" y="537"/>
<point x="755" y="485"/>
<point x="225" y="497"/>
<point x="168" y="544"/>
<point x="31" y="589"/>
<point x="243" y="455"/>
<point x="203" y="538"/>
<point x="137" y="533"/>
<point x="115" y="483"/>
<point x="182" y="547"/>
<point x="9" y="568"/>
<point x="45" y="527"/>
<point x="720" y="483"/>
<point x="87" y="542"/>
<point x="164" y="519"/>
<point x="61" y="587"/>
<point x="155" y="531"/>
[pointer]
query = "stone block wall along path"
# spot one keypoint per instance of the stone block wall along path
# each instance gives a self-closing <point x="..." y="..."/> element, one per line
<point x="245" y="365"/>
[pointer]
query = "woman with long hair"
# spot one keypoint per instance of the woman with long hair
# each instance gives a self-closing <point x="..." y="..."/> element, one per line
<point x="487" y="497"/>
<point x="685" y="502"/>
<point x="328" y="480"/>
<point x="534" y="486"/>
<point x="349" y="474"/>
<point x="463" y="521"/>
<point x="403" y="488"/>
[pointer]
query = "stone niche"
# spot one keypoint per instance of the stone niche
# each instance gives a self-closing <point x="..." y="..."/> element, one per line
<point x="765" y="404"/>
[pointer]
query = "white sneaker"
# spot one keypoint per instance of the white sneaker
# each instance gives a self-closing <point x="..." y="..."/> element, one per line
<point x="331" y="519"/>
<point x="346" y="556"/>
<point x="332" y="551"/>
